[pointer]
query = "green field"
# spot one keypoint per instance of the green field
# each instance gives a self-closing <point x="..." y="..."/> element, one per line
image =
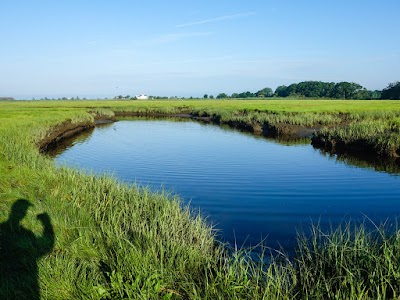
<point x="112" y="241"/>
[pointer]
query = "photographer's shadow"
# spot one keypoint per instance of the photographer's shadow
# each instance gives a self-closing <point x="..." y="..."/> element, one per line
<point x="20" y="250"/>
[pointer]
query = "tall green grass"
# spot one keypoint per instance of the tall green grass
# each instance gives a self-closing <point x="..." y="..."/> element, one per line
<point x="349" y="263"/>
<point x="115" y="241"/>
<point x="375" y="135"/>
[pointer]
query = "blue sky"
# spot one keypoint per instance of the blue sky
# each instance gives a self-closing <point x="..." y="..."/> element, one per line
<point x="189" y="48"/>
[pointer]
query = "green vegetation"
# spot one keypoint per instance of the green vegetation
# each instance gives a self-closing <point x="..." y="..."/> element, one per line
<point x="318" y="89"/>
<point x="392" y="91"/>
<point x="114" y="241"/>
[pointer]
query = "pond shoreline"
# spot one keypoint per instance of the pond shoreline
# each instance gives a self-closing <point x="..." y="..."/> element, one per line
<point x="357" y="148"/>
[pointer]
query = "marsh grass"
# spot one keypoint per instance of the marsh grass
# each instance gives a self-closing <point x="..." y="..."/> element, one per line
<point x="115" y="241"/>
<point x="349" y="262"/>
<point x="377" y="135"/>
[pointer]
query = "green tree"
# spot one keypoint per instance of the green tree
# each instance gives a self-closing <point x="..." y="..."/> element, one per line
<point x="375" y="94"/>
<point x="346" y="90"/>
<point x="205" y="96"/>
<point x="265" y="92"/>
<point x="292" y="89"/>
<point x="362" y="94"/>
<point x="246" y="95"/>
<point x="281" y="91"/>
<point x="222" y="96"/>
<point x="392" y="91"/>
<point x="327" y="89"/>
<point x="310" y="89"/>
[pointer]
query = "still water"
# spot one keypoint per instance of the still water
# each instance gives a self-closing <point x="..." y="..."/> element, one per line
<point x="249" y="187"/>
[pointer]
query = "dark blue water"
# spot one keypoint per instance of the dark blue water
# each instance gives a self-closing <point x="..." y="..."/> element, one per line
<point x="250" y="188"/>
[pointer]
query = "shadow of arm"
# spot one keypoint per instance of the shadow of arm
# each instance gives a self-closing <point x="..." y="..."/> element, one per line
<point x="46" y="241"/>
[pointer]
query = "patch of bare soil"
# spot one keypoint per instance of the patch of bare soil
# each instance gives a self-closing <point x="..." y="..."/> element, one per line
<point x="281" y="130"/>
<point x="61" y="132"/>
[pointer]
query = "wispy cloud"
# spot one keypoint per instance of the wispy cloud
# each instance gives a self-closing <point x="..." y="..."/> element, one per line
<point x="189" y="60"/>
<point x="194" y="60"/>
<point x="173" y="37"/>
<point x="216" y="19"/>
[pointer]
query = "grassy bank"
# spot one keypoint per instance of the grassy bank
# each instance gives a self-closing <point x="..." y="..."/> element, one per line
<point x="339" y="125"/>
<point x="112" y="241"/>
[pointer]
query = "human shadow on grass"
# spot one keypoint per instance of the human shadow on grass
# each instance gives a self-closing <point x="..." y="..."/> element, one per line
<point x="20" y="250"/>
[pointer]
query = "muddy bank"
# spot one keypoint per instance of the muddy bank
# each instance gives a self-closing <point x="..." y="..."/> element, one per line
<point x="150" y="114"/>
<point x="68" y="130"/>
<point x="61" y="132"/>
<point x="359" y="147"/>
<point x="161" y="115"/>
<point x="281" y="130"/>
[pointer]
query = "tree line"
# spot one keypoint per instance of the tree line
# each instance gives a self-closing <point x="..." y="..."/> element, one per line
<point x="304" y="89"/>
<point x="319" y="89"/>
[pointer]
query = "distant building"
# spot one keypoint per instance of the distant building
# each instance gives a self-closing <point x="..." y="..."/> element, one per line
<point x="142" y="97"/>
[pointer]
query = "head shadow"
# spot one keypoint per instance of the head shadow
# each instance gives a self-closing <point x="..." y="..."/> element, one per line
<point x="19" y="210"/>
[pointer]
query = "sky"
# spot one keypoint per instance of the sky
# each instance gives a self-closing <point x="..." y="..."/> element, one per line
<point x="92" y="49"/>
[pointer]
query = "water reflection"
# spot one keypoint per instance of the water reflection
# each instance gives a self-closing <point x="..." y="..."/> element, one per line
<point x="387" y="165"/>
<point x="250" y="187"/>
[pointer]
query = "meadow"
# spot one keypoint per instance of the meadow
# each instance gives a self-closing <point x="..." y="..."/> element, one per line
<point x="114" y="241"/>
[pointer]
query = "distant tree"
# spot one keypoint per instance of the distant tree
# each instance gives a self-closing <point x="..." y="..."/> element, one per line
<point x="374" y="95"/>
<point x="211" y="97"/>
<point x="319" y="89"/>
<point x="265" y="92"/>
<point x="392" y="91"/>
<point x="346" y="90"/>
<point x="312" y="89"/>
<point x="292" y="89"/>
<point x="327" y="89"/>
<point x="246" y="95"/>
<point x="205" y="96"/>
<point x="281" y="91"/>
<point x="222" y="96"/>
<point x="235" y="95"/>
<point x="362" y="94"/>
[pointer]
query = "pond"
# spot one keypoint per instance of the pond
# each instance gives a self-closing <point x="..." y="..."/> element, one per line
<point x="249" y="187"/>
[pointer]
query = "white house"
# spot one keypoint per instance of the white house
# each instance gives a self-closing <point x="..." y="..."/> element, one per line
<point x="142" y="97"/>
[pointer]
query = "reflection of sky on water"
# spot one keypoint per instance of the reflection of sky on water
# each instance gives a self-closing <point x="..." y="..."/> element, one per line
<point x="250" y="187"/>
